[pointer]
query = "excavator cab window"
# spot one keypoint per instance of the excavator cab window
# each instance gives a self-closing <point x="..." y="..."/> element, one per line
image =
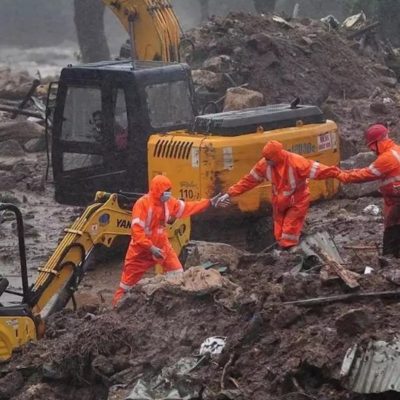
<point x="83" y="123"/>
<point x="168" y="104"/>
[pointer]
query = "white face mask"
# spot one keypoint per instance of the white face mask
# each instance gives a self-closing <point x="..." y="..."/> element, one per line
<point x="165" y="196"/>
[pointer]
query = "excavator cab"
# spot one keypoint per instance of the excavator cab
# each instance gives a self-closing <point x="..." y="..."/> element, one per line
<point x="104" y="115"/>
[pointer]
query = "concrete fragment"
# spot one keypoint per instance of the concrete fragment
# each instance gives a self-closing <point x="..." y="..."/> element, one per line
<point x="14" y="85"/>
<point x="210" y="80"/>
<point x="239" y="98"/>
<point x="222" y="63"/>
<point x="354" y="321"/>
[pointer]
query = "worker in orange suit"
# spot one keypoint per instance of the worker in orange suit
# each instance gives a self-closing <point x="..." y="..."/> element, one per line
<point x="289" y="174"/>
<point x="385" y="168"/>
<point x="149" y="244"/>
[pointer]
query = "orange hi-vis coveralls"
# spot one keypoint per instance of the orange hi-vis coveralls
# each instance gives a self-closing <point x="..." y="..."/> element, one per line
<point x="387" y="169"/>
<point x="149" y="219"/>
<point x="288" y="174"/>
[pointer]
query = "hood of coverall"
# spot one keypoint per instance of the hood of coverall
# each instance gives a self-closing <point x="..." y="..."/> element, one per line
<point x="273" y="151"/>
<point x="158" y="185"/>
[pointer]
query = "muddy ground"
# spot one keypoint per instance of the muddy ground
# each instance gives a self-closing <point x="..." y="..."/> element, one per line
<point x="273" y="351"/>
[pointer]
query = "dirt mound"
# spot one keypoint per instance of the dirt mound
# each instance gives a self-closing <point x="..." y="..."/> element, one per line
<point x="302" y="58"/>
<point x="272" y="350"/>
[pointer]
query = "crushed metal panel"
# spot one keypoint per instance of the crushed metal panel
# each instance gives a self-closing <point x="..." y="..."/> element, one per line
<point x="321" y="240"/>
<point x="376" y="370"/>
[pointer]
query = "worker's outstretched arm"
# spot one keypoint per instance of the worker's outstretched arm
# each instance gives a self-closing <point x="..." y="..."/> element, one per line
<point x="377" y="170"/>
<point x="249" y="181"/>
<point x="183" y="209"/>
<point x="309" y="169"/>
<point x="139" y="216"/>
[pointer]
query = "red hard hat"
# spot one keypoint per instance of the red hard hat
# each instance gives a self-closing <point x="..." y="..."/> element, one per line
<point x="375" y="133"/>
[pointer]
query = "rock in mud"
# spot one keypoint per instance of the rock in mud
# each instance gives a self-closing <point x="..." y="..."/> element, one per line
<point x="35" y="145"/>
<point x="360" y="160"/>
<point x="355" y="321"/>
<point x="103" y="365"/>
<point x="222" y="63"/>
<point x="286" y="317"/>
<point x="14" y="85"/>
<point x="11" y="148"/>
<point x="221" y="253"/>
<point x="22" y="131"/>
<point x="240" y="98"/>
<point x="10" y="384"/>
<point x="210" y="80"/>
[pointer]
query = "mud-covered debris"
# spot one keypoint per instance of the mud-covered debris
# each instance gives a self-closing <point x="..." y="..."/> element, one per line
<point x="354" y="321"/>
<point x="10" y="384"/>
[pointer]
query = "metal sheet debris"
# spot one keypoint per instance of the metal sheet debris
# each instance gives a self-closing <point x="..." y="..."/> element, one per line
<point x="375" y="370"/>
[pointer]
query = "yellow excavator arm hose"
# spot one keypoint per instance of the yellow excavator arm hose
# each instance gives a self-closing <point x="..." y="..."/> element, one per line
<point x="152" y="25"/>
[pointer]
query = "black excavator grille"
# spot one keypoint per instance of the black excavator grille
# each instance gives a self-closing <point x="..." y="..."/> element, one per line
<point x="172" y="149"/>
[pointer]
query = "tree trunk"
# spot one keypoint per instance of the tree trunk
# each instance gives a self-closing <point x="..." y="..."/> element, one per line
<point x="204" y="10"/>
<point x="264" y="6"/>
<point x="89" y="23"/>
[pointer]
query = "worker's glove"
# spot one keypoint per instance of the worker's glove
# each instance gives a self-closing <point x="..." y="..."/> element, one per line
<point x="156" y="252"/>
<point x="214" y="200"/>
<point x="223" y="201"/>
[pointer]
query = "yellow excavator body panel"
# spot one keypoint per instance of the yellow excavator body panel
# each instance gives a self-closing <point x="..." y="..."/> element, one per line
<point x="14" y="332"/>
<point x="152" y="25"/>
<point x="203" y="165"/>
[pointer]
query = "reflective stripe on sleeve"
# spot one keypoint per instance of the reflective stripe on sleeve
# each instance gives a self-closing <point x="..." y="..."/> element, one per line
<point x="374" y="170"/>
<point x="181" y="208"/>
<point x="138" y="221"/>
<point x="255" y="175"/>
<point x="289" y="236"/>
<point x="396" y="154"/>
<point x="314" y="170"/>
<point x="268" y="173"/>
<point x="125" y="287"/>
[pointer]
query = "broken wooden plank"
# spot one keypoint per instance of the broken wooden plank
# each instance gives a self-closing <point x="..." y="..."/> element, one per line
<point x="348" y="277"/>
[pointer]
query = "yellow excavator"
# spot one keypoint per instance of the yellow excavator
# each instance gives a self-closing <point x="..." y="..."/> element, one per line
<point x="118" y="123"/>
<point x="103" y="223"/>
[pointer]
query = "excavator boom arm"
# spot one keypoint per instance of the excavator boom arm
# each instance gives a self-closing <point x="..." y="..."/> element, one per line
<point x="101" y="223"/>
<point x="152" y="26"/>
